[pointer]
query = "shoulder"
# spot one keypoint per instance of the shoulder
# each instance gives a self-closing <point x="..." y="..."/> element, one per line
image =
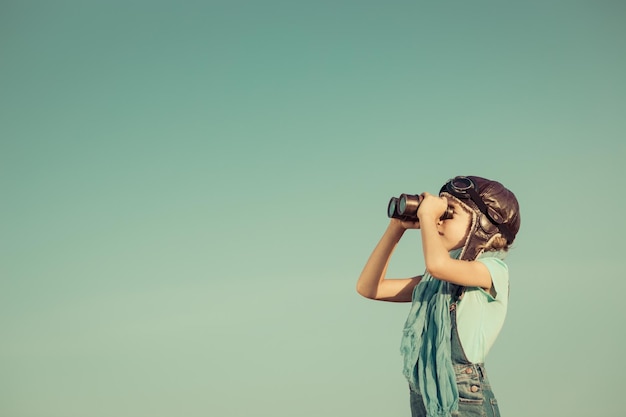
<point x="499" y="272"/>
<point x="494" y="263"/>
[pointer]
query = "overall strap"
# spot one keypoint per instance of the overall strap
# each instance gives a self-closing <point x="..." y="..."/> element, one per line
<point x="458" y="354"/>
<point x="456" y="292"/>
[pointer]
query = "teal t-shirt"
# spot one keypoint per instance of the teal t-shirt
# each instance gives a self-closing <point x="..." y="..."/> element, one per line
<point x="480" y="315"/>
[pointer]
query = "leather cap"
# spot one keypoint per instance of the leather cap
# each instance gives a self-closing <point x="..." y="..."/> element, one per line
<point x="502" y="207"/>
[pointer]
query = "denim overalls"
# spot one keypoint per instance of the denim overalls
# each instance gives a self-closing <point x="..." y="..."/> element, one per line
<point x="475" y="396"/>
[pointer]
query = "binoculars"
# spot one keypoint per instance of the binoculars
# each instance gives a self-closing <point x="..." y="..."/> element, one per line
<point x="405" y="207"/>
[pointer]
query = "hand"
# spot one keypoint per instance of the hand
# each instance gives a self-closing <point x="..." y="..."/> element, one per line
<point x="431" y="207"/>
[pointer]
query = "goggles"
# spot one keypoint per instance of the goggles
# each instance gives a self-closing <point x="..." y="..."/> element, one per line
<point x="464" y="188"/>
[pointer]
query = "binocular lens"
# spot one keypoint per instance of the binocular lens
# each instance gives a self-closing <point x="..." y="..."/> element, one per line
<point x="392" y="207"/>
<point x="401" y="204"/>
<point x="408" y="204"/>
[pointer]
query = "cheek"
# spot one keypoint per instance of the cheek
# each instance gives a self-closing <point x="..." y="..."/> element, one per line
<point x="464" y="231"/>
<point x="468" y="223"/>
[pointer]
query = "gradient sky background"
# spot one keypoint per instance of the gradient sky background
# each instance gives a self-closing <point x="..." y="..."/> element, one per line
<point x="190" y="190"/>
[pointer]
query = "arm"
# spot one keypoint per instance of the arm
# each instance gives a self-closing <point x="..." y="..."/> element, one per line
<point x="438" y="261"/>
<point x="372" y="282"/>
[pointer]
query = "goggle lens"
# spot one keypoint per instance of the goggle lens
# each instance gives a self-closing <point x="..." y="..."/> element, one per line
<point x="461" y="184"/>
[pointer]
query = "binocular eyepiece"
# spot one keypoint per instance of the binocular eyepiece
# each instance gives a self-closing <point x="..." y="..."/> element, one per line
<point x="405" y="208"/>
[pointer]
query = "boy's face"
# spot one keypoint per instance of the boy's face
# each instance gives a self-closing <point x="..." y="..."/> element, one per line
<point x="454" y="231"/>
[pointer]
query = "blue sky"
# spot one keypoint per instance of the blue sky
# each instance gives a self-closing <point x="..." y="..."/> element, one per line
<point x="190" y="190"/>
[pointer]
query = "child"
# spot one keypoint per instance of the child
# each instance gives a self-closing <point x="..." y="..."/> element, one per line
<point x="460" y="302"/>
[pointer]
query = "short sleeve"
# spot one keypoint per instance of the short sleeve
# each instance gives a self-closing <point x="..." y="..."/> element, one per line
<point x="480" y="316"/>
<point x="499" y="272"/>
